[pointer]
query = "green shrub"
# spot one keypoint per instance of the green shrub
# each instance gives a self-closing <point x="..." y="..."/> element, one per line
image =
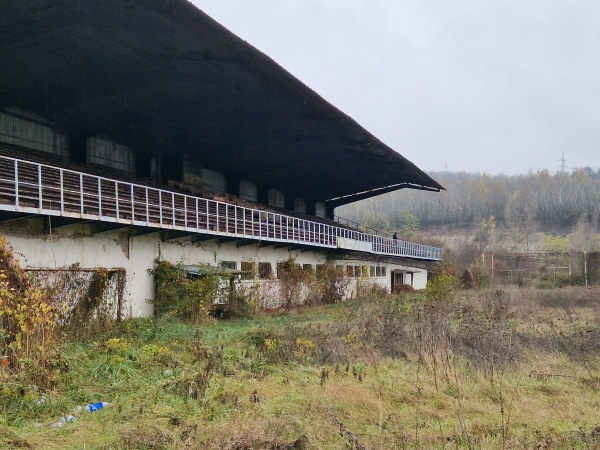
<point x="182" y="296"/>
<point x="29" y="335"/>
<point x="442" y="283"/>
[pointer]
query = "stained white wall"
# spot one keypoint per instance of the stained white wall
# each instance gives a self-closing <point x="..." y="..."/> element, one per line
<point x="76" y="244"/>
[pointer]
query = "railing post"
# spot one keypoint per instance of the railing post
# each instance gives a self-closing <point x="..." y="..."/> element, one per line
<point x="207" y="215"/>
<point x="81" y="193"/>
<point x="147" y="208"/>
<point x="117" y="198"/>
<point x="173" y="208"/>
<point x="235" y="209"/>
<point x="40" y="204"/>
<point x="160" y="214"/>
<point x="132" y="203"/>
<point x="185" y="199"/>
<point x="99" y="196"/>
<point x="16" y="184"/>
<point x="271" y="229"/>
<point x="259" y="224"/>
<point x="243" y="220"/>
<point x="62" y="193"/>
<point x="197" y="214"/>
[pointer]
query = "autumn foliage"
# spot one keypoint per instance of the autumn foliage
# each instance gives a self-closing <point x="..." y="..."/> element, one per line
<point x="27" y="314"/>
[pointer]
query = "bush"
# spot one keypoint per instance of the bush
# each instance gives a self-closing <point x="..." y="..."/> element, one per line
<point x="331" y="284"/>
<point x="28" y="325"/>
<point x="236" y="307"/>
<point x="442" y="283"/>
<point x="176" y="294"/>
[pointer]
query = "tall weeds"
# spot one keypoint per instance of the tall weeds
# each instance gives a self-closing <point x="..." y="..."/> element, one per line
<point x="28" y="332"/>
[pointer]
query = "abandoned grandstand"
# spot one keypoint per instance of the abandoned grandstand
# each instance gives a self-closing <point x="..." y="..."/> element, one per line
<point x="131" y="129"/>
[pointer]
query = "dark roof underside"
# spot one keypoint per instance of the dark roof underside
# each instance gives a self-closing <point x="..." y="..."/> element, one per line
<point x="162" y="77"/>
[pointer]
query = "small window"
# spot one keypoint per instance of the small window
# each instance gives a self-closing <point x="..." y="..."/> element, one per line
<point x="357" y="271"/>
<point x="339" y="267"/>
<point x="320" y="269"/>
<point x="248" y="191"/>
<point x="378" y="271"/>
<point x="383" y="271"/>
<point x="299" y="205"/>
<point x="214" y="181"/>
<point x="286" y="268"/>
<point x="265" y="272"/>
<point x="349" y="271"/>
<point x="320" y="210"/>
<point x="307" y="267"/>
<point x="372" y="271"/>
<point x="248" y="269"/>
<point x="281" y="269"/>
<point x="229" y="265"/>
<point x="102" y="151"/>
<point x="276" y="198"/>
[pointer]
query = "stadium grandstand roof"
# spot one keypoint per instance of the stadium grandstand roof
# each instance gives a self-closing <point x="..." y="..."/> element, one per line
<point x="162" y="77"/>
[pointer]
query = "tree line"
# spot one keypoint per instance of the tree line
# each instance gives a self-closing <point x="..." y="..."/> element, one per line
<point x="556" y="200"/>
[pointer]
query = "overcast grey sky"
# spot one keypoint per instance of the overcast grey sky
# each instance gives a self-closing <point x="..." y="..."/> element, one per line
<point x="480" y="85"/>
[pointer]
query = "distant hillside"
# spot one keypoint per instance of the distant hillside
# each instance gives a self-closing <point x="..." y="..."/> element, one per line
<point x="522" y="209"/>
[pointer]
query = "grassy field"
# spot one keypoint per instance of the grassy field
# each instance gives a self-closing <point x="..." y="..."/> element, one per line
<point x="497" y="368"/>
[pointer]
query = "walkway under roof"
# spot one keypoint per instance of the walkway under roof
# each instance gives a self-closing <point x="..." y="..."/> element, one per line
<point x="162" y="77"/>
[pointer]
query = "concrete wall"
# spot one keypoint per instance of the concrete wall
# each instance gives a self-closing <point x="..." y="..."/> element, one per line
<point x="76" y="244"/>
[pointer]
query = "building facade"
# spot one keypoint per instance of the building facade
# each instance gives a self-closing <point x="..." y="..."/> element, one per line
<point x="167" y="136"/>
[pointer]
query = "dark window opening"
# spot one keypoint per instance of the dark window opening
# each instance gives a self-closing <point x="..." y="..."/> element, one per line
<point x="265" y="271"/>
<point x="349" y="271"/>
<point x="248" y="269"/>
<point x="229" y="265"/>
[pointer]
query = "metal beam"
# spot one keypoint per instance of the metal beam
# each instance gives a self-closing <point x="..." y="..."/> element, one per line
<point x="7" y="216"/>
<point x="105" y="227"/>
<point x="335" y="202"/>
<point x="174" y="234"/>
<point x="203" y="238"/>
<point x="54" y="222"/>
<point x="245" y="242"/>
<point x="142" y="231"/>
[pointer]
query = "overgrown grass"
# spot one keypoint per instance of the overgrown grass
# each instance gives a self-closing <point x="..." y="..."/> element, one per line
<point x="516" y="368"/>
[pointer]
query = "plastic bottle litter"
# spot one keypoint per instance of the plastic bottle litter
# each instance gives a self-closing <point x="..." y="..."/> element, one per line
<point x="96" y="406"/>
<point x="92" y="407"/>
<point x="70" y="418"/>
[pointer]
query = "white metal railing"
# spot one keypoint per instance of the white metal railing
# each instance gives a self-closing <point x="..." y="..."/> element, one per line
<point x="41" y="189"/>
